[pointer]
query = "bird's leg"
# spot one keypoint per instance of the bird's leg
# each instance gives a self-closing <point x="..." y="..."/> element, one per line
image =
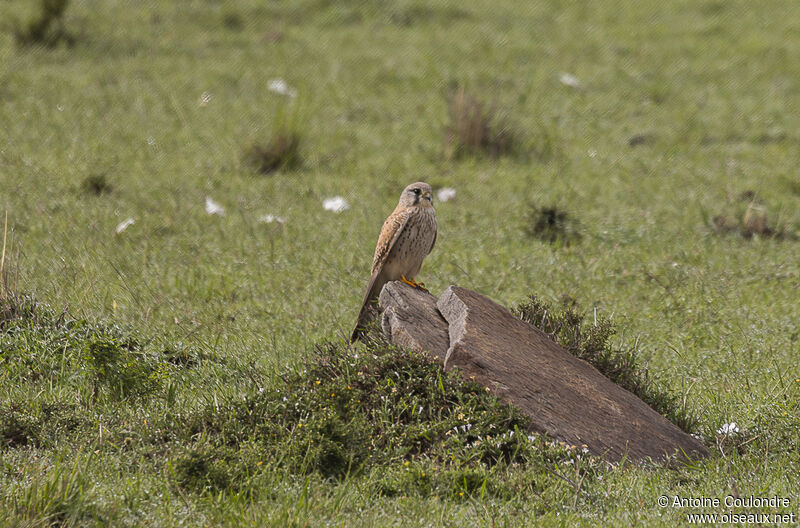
<point x="411" y="282"/>
<point x="415" y="284"/>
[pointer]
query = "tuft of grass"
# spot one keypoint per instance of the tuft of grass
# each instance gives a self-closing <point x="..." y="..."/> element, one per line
<point x="15" y="308"/>
<point x="58" y="498"/>
<point x="118" y="366"/>
<point x="46" y="27"/>
<point x="552" y="224"/>
<point x="204" y="467"/>
<point x="38" y="424"/>
<point x="282" y="152"/>
<point x="477" y="129"/>
<point x="591" y="342"/>
<point x="96" y="184"/>
<point x="641" y="139"/>
<point x="754" y="223"/>
<point x="749" y="222"/>
<point x="725" y="223"/>
<point x="233" y="21"/>
<point x="16" y="429"/>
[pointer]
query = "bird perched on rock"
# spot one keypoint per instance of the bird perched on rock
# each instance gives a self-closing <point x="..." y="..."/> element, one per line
<point x="406" y="238"/>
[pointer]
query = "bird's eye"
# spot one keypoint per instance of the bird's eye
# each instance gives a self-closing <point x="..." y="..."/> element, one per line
<point x="415" y="191"/>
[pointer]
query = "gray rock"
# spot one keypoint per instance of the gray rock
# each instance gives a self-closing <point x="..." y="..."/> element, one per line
<point x="564" y="396"/>
<point x="410" y="319"/>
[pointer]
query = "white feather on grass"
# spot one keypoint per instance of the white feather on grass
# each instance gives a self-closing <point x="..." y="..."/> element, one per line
<point x="125" y="224"/>
<point x="336" y="204"/>
<point x="213" y="208"/>
<point x="445" y="194"/>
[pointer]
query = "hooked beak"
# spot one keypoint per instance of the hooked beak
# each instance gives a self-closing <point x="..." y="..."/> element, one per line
<point x="428" y="196"/>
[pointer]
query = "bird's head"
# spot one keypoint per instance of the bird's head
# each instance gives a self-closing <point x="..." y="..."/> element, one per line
<point x="417" y="194"/>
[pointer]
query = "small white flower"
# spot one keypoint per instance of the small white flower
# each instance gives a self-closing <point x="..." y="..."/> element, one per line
<point x="268" y="219"/>
<point x="125" y="224"/>
<point x="569" y="80"/>
<point x="279" y="86"/>
<point x="728" y="429"/>
<point x="337" y="204"/>
<point x="446" y="194"/>
<point x="213" y="208"/>
<point x="205" y="98"/>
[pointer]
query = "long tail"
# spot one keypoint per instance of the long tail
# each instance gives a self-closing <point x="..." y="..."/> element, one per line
<point x="366" y="314"/>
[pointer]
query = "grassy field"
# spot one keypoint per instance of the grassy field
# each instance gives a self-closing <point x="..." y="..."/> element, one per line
<point x="662" y="133"/>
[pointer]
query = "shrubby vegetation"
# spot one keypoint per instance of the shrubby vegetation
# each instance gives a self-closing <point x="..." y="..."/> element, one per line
<point x="45" y="27"/>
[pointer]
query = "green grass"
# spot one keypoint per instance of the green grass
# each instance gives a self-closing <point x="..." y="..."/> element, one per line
<point x="681" y="111"/>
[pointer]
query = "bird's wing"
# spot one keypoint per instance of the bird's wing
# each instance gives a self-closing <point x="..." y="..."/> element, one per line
<point x="435" y="235"/>
<point x="390" y="232"/>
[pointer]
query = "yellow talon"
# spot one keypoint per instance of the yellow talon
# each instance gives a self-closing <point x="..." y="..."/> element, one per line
<point x="415" y="284"/>
<point x="409" y="282"/>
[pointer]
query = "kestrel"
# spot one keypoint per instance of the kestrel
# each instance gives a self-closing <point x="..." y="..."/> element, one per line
<point x="406" y="238"/>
